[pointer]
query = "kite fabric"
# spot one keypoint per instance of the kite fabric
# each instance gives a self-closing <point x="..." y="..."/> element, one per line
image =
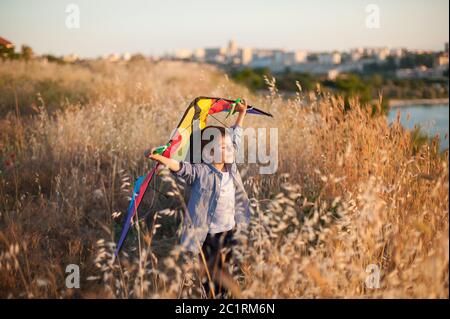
<point x="138" y="193"/>
<point x="178" y="146"/>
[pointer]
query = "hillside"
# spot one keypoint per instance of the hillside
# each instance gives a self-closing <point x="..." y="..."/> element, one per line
<point x="350" y="190"/>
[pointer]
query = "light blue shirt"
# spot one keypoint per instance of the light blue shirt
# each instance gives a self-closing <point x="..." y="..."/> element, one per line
<point x="205" y="180"/>
<point x="223" y="218"/>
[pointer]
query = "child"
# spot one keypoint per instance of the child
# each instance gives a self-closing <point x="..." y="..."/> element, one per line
<point x="218" y="205"/>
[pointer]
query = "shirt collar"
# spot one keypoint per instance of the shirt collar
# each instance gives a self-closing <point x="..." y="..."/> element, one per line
<point x="216" y="171"/>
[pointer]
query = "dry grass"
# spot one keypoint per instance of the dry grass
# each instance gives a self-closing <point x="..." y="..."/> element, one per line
<point x="350" y="190"/>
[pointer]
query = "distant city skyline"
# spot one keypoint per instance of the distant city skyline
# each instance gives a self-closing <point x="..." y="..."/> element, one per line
<point x="154" y="28"/>
<point x="329" y="64"/>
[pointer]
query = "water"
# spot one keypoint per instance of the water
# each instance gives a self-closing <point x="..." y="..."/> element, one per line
<point x="433" y="119"/>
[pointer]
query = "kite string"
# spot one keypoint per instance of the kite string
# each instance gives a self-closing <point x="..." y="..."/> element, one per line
<point x="219" y="121"/>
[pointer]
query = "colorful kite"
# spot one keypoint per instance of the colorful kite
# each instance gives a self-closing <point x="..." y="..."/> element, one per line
<point x="178" y="145"/>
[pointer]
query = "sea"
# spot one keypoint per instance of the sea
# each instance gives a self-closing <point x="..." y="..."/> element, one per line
<point x="432" y="119"/>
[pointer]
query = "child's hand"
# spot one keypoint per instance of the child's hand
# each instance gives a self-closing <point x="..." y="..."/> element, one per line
<point x="241" y="107"/>
<point x="156" y="157"/>
<point x="173" y="165"/>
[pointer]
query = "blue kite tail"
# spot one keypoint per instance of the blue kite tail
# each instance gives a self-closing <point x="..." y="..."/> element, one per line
<point x="130" y="214"/>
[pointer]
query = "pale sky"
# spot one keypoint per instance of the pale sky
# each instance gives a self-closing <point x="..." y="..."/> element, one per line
<point x="153" y="27"/>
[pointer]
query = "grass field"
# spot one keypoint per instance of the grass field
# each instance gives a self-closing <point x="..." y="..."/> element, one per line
<point x="350" y="190"/>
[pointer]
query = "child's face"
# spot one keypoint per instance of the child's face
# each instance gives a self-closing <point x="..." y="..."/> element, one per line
<point x="222" y="151"/>
<point x="227" y="149"/>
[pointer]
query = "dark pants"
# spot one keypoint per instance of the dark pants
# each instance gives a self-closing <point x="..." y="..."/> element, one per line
<point x="217" y="250"/>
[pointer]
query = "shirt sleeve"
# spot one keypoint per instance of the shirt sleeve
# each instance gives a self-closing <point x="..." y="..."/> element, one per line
<point x="189" y="172"/>
<point x="236" y="137"/>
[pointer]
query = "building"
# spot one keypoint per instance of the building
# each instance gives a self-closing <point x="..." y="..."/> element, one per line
<point x="301" y="56"/>
<point x="183" y="54"/>
<point x="275" y="60"/>
<point x="232" y="49"/>
<point x="259" y="62"/>
<point x="199" y="54"/>
<point x="381" y="54"/>
<point x="113" y="57"/>
<point x="332" y="74"/>
<point x="329" y="58"/>
<point x="442" y="59"/>
<point x="246" y="56"/>
<point x="6" y="48"/>
<point x="352" y="66"/>
<point x="369" y="52"/>
<point x="70" y="58"/>
<point x="420" y="72"/>
<point x="397" y="53"/>
<point x="295" y="57"/>
<point x="6" y="44"/>
<point x="356" y="54"/>
<point x="278" y="57"/>
<point x="329" y="71"/>
<point x="215" y="55"/>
